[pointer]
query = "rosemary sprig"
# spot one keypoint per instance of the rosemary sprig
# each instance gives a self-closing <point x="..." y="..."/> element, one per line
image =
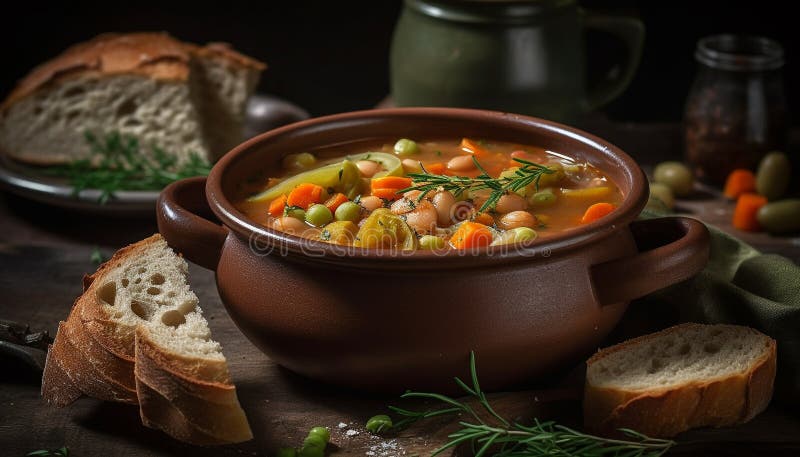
<point x="507" y="439"/>
<point x="528" y="173"/>
<point x="116" y="163"/>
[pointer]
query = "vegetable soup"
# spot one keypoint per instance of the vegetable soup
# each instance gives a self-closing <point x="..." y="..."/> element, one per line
<point x="405" y="194"/>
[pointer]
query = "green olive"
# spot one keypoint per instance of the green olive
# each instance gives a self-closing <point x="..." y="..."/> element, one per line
<point x="543" y="198"/>
<point x="676" y="176"/>
<point x="774" y="173"/>
<point x="318" y="215"/>
<point x="348" y="211"/>
<point x="295" y="212"/>
<point x="322" y="432"/>
<point x="431" y="242"/>
<point x="663" y="194"/>
<point x="286" y="452"/>
<point x="405" y="147"/>
<point x="378" y="424"/>
<point x="313" y="446"/>
<point x="299" y="161"/>
<point x="782" y="216"/>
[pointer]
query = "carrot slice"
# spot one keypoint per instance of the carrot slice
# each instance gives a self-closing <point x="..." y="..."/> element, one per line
<point x="473" y="147"/>
<point x="276" y="206"/>
<point x="739" y="182"/>
<point x="471" y="235"/>
<point x="596" y="211"/>
<point x="386" y="194"/>
<point x="744" y="215"/>
<point x="436" y="168"/>
<point x="390" y="182"/>
<point x="335" y="201"/>
<point x="305" y="195"/>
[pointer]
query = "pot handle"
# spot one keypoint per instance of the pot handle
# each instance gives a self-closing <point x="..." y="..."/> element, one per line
<point x="671" y="249"/>
<point x="185" y="220"/>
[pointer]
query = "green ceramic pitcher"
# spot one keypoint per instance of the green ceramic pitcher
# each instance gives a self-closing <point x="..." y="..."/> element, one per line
<point x="520" y="56"/>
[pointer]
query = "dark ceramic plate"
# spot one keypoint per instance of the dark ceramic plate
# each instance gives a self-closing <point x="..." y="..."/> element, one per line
<point x="264" y="113"/>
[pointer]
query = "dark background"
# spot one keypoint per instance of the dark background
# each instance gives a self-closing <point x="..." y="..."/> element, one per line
<point x="333" y="56"/>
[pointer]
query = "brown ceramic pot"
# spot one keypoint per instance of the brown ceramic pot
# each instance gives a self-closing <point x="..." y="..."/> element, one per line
<point x="391" y="321"/>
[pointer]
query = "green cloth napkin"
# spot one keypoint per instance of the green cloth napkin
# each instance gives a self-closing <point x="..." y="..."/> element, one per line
<point x="741" y="286"/>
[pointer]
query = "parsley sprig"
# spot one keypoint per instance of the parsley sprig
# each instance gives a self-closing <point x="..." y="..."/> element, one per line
<point x="528" y="173"/>
<point x="502" y="438"/>
<point x="117" y="163"/>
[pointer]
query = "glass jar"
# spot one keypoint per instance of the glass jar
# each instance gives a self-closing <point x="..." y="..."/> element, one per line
<point x="736" y="111"/>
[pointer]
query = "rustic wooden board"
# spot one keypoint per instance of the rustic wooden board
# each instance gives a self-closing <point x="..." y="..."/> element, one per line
<point x="38" y="284"/>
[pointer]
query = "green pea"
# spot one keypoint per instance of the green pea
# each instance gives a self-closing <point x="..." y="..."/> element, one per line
<point x="295" y="212"/>
<point x="431" y="242"/>
<point x="286" y="452"/>
<point x="379" y="423"/>
<point x="322" y="432"/>
<point x="774" y="174"/>
<point x="299" y="161"/>
<point x="348" y="211"/>
<point x="676" y="176"/>
<point x="405" y="147"/>
<point x="663" y="194"/>
<point x="313" y="446"/>
<point x="515" y="235"/>
<point x="544" y="197"/>
<point x="782" y="216"/>
<point x="318" y="215"/>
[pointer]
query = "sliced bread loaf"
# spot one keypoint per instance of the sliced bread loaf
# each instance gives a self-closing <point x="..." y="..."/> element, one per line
<point x="177" y="96"/>
<point x="686" y="376"/>
<point x="136" y="335"/>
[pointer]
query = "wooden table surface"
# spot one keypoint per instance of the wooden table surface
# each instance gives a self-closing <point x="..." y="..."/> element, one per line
<point x="45" y="251"/>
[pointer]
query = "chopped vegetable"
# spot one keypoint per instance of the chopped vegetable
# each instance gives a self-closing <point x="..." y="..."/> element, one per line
<point x="334" y="202"/>
<point x="405" y="147"/>
<point x="596" y="211"/>
<point x="384" y="229"/>
<point x="471" y="235"/>
<point x="431" y="242"/>
<point x="342" y="177"/>
<point x="301" y="161"/>
<point x="339" y="232"/>
<point x="295" y="212"/>
<point x="437" y="168"/>
<point x="388" y="187"/>
<point x="516" y="235"/>
<point x="484" y="218"/>
<point x="746" y="211"/>
<point x="473" y="147"/>
<point x="305" y="195"/>
<point x="739" y="181"/>
<point x="588" y="193"/>
<point x="276" y="206"/>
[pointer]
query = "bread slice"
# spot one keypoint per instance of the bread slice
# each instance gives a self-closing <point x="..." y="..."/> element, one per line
<point x="687" y="376"/>
<point x="177" y="96"/>
<point x="136" y="335"/>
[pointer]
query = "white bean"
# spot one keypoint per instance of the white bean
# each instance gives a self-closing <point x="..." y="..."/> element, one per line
<point x="368" y="168"/>
<point x="403" y="205"/>
<point x="509" y="203"/>
<point x="444" y="201"/>
<point x="461" y="163"/>
<point x="411" y="166"/>
<point x="290" y="225"/>
<point x="371" y="203"/>
<point x="423" y="218"/>
<point x="516" y="219"/>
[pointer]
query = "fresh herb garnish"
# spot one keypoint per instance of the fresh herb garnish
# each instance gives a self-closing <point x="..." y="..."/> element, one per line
<point x="117" y="163"/>
<point x="325" y="235"/>
<point x="63" y="451"/>
<point x="528" y="173"/>
<point x="507" y="439"/>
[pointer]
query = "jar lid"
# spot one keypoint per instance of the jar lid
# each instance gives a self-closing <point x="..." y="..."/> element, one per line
<point x="739" y="53"/>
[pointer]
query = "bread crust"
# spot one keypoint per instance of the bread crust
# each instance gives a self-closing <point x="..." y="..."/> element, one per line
<point x="57" y="388"/>
<point x="154" y="55"/>
<point x="665" y="412"/>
